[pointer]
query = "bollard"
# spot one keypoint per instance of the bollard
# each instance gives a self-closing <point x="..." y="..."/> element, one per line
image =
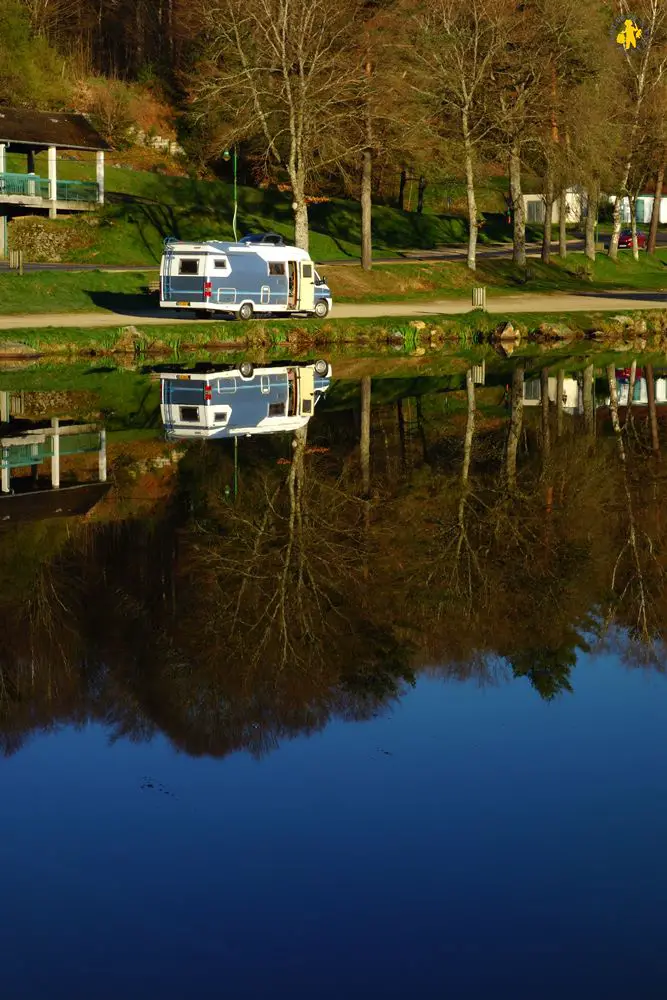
<point x="479" y="298"/>
<point x="20" y="253"/>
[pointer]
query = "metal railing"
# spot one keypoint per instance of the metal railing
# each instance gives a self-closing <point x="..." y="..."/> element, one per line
<point x="32" y="186"/>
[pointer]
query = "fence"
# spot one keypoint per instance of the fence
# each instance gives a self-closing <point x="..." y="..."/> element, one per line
<point x="32" y="186"/>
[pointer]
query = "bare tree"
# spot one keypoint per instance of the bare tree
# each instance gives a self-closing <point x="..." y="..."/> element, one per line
<point x="515" y="427"/>
<point x="455" y="45"/>
<point x="287" y="76"/>
<point x="645" y="69"/>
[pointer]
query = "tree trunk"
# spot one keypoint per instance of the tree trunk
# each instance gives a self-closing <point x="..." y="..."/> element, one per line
<point x="633" y="226"/>
<point x="401" y="189"/>
<point x="560" y="402"/>
<point x="518" y="209"/>
<point x="655" y="214"/>
<point x="544" y="398"/>
<point x="366" y="210"/>
<point x="420" y="194"/>
<point x="591" y="220"/>
<point x="548" y="213"/>
<point x="516" y="424"/>
<point x="300" y="209"/>
<point x="616" y="228"/>
<point x="365" y="441"/>
<point x="472" y="201"/>
<point x="589" y="408"/>
<point x="562" y="224"/>
<point x="653" y="416"/>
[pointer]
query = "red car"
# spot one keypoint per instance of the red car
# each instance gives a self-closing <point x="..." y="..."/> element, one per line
<point x="625" y="240"/>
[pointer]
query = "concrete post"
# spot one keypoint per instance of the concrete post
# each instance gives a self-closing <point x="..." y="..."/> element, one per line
<point x="4" y="239"/>
<point x="103" y="455"/>
<point x="100" y="176"/>
<point x="4" y="407"/>
<point x="3" y="157"/>
<point x="5" y="486"/>
<point x="55" y="453"/>
<point x="53" y="182"/>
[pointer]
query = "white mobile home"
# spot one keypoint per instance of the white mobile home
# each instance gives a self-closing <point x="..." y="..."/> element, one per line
<point x="575" y="205"/>
<point x="241" y="279"/>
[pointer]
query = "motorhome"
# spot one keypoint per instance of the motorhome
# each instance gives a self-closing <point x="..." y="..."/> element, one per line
<point x="242" y="279"/>
<point x="241" y="401"/>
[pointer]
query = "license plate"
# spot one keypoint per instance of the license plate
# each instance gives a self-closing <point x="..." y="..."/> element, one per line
<point x="182" y="303"/>
<point x="185" y="377"/>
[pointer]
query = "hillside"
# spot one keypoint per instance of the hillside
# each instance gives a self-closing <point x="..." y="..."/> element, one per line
<point x="145" y="206"/>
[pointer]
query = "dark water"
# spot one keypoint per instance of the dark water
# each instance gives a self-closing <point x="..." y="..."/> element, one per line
<point x="435" y="766"/>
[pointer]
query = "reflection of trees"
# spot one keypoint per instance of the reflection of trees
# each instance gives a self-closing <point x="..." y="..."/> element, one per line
<point x="234" y="625"/>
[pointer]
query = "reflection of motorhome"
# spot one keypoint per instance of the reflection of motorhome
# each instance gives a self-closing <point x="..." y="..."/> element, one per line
<point x="573" y="400"/>
<point x="214" y="277"/>
<point x="242" y="401"/>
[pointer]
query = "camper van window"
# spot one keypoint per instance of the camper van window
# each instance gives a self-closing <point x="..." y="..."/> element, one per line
<point x="188" y="266"/>
<point x="307" y="270"/>
<point x="220" y="263"/>
<point x="276" y="409"/>
<point x="276" y="267"/>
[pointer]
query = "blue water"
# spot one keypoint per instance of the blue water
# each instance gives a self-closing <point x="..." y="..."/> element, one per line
<point x="506" y="848"/>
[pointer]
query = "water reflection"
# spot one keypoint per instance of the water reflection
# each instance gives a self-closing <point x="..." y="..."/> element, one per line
<point x="241" y="401"/>
<point x="464" y="529"/>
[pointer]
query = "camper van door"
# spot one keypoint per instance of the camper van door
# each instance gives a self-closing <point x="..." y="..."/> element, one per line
<point x="186" y="277"/>
<point x="306" y="286"/>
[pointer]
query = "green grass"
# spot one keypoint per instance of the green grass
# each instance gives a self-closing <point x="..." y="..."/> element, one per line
<point x="126" y="293"/>
<point x="144" y="207"/>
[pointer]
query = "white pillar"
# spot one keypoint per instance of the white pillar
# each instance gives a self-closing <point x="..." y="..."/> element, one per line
<point x="100" y="176"/>
<point x="53" y="182"/>
<point x="55" y="459"/>
<point x="3" y="157"/>
<point x="103" y="455"/>
<point x="4" y="407"/>
<point x="4" y="475"/>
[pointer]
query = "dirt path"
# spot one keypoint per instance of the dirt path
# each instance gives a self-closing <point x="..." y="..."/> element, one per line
<point x="507" y="304"/>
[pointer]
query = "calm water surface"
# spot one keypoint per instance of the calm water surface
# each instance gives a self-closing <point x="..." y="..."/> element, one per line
<point x="501" y="845"/>
<point x="440" y="789"/>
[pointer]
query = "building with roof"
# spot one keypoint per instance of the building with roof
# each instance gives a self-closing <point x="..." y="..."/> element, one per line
<point x="31" y="132"/>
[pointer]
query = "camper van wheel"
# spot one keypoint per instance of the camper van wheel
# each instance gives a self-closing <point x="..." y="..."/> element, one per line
<point x="246" y="369"/>
<point x="245" y="312"/>
<point x="321" y="309"/>
<point x="321" y="367"/>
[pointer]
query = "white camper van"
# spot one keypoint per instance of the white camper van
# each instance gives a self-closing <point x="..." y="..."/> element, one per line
<point x="242" y="279"/>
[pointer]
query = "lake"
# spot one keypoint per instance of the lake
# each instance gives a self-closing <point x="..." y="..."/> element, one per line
<point x="370" y="709"/>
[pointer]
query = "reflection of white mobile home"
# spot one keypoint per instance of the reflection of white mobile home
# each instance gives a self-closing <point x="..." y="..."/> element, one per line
<point x="640" y="394"/>
<point x="572" y="394"/>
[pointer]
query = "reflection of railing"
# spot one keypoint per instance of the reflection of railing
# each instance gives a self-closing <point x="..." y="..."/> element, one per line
<point x="31" y="186"/>
<point x="20" y="453"/>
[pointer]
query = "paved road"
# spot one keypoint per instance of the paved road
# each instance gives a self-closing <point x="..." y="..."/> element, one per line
<point x="507" y="304"/>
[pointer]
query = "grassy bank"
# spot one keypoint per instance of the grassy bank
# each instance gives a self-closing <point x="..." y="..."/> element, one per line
<point x="312" y="337"/>
<point x="126" y="293"/>
<point x="144" y="207"/>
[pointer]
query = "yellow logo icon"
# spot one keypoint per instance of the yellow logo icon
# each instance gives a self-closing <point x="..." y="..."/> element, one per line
<point x="629" y="34"/>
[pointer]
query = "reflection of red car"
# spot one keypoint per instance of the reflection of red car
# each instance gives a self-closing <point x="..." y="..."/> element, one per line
<point x="625" y="240"/>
